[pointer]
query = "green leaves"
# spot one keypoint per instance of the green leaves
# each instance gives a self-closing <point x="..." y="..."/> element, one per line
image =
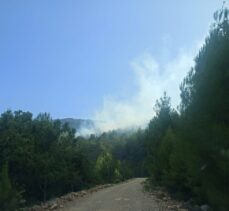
<point x="106" y="167"/>
<point x="10" y="199"/>
<point x="189" y="153"/>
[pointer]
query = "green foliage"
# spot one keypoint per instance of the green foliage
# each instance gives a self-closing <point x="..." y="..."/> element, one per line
<point x="10" y="199"/>
<point x="189" y="153"/>
<point x="47" y="160"/>
<point x="106" y="167"/>
<point x="158" y="126"/>
<point x="43" y="155"/>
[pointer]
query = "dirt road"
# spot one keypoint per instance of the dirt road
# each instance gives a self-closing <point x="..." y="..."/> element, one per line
<point x="127" y="196"/>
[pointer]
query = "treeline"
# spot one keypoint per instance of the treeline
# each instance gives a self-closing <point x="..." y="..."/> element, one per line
<point x="188" y="152"/>
<point x="41" y="158"/>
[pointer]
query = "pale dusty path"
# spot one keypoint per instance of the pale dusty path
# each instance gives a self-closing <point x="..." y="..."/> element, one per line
<point x="127" y="196"/>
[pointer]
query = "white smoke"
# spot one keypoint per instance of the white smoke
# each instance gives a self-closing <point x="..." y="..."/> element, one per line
<point x="152" y="78"/>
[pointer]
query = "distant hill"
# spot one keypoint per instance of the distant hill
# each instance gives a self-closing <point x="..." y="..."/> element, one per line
<point x="79" y="123"/>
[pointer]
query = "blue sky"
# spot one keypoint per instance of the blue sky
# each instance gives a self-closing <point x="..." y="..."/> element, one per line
<point x="66" y="56"/>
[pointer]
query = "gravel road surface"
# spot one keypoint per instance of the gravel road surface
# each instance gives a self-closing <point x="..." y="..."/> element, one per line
<point x="127" y="196"/>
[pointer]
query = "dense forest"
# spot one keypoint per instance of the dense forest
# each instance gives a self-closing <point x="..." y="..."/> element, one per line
<point x="41" y="158"/>
<point x="185" y="150"/>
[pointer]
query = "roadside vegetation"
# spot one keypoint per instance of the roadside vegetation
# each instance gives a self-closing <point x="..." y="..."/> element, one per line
<point x="188" y="151"/>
